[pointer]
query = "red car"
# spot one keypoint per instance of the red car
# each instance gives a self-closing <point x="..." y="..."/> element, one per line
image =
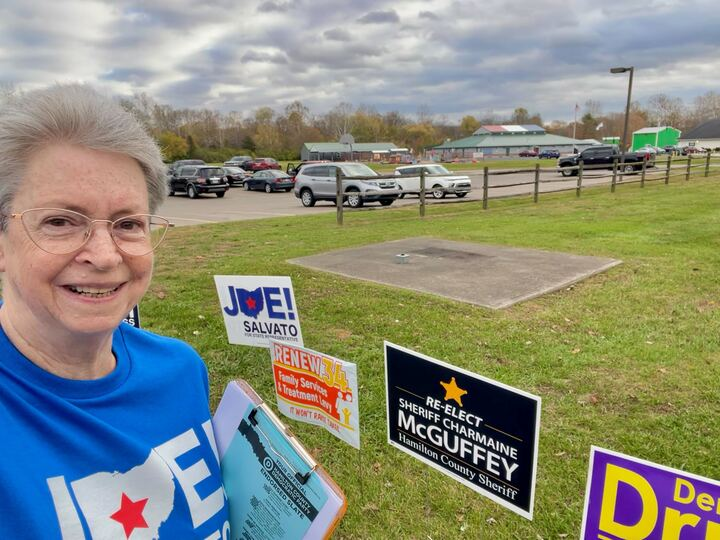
<point x="528" y="153"/>
<point x="260" y="164"/>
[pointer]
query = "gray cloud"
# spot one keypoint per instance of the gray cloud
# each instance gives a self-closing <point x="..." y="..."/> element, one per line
<point x="380" y="17"/>
<point x="255" y="56"/>
<point x="456" y="57"/>
<point x="269" y="6"/>
<point x="428" y="15"/>
<point x="337" y="34"/>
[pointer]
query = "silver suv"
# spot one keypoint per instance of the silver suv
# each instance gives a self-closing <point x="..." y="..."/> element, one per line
<point x="438" y="180"/>
<point x="318" y="183"/>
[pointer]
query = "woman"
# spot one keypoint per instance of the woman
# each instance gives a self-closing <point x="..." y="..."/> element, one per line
<point x="106" y="428"/>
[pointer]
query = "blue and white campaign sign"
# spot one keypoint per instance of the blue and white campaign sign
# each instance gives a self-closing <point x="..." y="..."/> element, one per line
<point x="257" y="309"/>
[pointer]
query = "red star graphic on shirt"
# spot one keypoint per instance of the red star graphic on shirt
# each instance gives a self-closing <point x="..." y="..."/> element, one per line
<point x="251" y="303"/>
<point x="130" y="515"/>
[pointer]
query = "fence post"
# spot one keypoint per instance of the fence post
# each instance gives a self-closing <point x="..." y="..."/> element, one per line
<point x="338" y="196"/>
<point x="486" y="176"/>
<point x="537" y="182"/>
<point x="667" y="169"/>
<point x="581" y="165"/>
<point x="614" y="178"/>
<point x="422" y="192"/>
<point x="642" y="177"/>
<point x="687" y="171"/>
<point x="707" y="164"/>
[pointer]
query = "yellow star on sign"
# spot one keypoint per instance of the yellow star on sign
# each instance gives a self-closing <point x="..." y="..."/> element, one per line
<point x="453" y="391"/>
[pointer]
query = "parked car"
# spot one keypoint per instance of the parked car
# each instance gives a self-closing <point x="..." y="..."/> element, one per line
<point x="672" y="149"/>
<point x="195" y="180"/>
<point x="686" y="150"/>
<point x="269" y="180"/>
<point x="183" y="162"/>
<point x="260" y="164"/>
<point x="437" y="178"/>
<point x="650" y="149"/>
<point x="293" y="168"/>
<point x="550" y="153"/>
<point x="235" y="176"/>
<point x="528" y="153"/>
<point x="603" y="156"/>
<point x="318" y="183"/>
<point x="237" y="161"/>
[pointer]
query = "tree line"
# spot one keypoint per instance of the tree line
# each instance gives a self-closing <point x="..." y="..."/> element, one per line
<point x="658" y="110"/>
<point x="214" y="136"/>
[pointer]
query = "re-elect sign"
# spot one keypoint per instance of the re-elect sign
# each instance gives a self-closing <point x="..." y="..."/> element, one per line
<point x="480" y="432"/>
<point x="257" y="309"/>
<point x="628" y="497"/>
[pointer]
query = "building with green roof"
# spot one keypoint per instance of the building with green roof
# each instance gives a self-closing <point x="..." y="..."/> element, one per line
<point x="506" y="140"/>
<point x="380" y="151"/>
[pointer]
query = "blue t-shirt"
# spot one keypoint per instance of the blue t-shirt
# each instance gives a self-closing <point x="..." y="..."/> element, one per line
<point x="129" y="456"/>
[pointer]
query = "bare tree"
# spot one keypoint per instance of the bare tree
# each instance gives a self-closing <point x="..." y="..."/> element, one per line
<point x="337" y="121"/>
<point x="705" y="107"/>
<point x="424" y="114"/>
<point x="663" y="110"/>
<point x="593" y="108"/>
<point x="233" y="129"/>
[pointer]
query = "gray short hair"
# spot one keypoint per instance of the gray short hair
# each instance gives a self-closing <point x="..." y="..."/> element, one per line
<point x="75" y="114"/>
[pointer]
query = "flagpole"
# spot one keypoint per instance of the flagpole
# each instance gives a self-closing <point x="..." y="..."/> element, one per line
<point x="575" y="123"/>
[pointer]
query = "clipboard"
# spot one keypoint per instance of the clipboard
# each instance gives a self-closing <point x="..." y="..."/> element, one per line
<point x="275" y="489"/>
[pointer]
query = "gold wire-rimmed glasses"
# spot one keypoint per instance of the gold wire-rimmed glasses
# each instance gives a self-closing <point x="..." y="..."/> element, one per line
<point x="59" y="231"/>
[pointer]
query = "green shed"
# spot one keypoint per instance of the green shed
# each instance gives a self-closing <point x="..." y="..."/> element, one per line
<point x="660" y="136"/>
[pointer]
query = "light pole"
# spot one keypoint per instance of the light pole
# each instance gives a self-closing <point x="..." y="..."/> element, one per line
<point x="631" y="69"/>
<point x="348" y="139"/>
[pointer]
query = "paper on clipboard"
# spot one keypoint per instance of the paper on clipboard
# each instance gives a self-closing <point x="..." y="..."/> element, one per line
<point x="274" y="487"/>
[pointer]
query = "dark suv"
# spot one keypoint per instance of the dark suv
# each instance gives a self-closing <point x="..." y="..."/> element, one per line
<point x="237" y="161"/>
<point x="175" y="166"/>
<point x="196" y="180"/>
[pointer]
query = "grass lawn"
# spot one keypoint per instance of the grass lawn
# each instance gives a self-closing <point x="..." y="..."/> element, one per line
<point x="628" y="360"/>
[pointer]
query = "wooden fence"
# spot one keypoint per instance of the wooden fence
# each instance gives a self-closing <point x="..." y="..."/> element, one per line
<point x="579" y="177"/>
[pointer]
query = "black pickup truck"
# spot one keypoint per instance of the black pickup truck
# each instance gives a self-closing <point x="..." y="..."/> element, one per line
<point x="602" y="157"/>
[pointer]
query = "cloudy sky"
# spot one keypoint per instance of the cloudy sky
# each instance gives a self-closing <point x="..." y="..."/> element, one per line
<point x="445" y="57"/>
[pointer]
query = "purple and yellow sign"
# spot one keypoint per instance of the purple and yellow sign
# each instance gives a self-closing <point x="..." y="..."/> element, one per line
<point x="628" y="497"/>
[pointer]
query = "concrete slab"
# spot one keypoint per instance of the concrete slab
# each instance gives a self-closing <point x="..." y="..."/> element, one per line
<point x="491" y="276"/>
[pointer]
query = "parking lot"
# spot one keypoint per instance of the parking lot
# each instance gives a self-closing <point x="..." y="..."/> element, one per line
<point x="243" y="205"/>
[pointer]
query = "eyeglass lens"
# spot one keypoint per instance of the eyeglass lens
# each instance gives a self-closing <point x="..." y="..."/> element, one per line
<point x="61" y="231"/>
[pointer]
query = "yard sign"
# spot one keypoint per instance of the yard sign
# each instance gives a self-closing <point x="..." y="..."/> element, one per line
<point x="257" y="309"/>
<point x="480" y="432"/>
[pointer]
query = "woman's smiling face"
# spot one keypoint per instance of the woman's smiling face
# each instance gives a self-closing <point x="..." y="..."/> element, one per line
<point x="90" y="290"/>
